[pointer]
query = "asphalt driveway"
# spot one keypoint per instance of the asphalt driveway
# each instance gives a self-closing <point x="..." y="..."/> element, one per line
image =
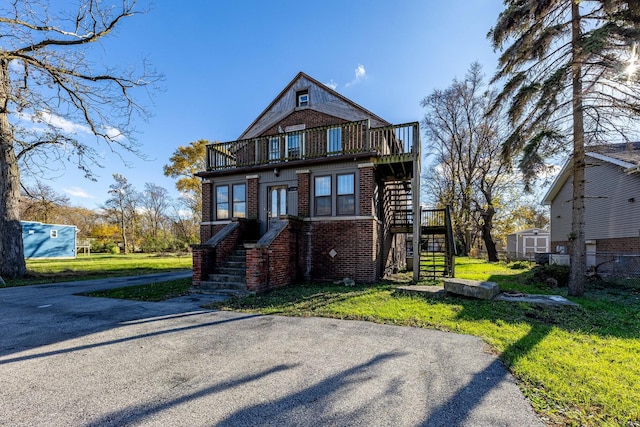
<point x="80" y="361"/>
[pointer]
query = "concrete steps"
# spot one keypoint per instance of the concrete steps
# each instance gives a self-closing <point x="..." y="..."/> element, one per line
<point x="230" y="276"/>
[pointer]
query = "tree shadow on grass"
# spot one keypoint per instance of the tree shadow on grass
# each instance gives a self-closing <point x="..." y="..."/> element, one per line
<point x="613" y="313"/>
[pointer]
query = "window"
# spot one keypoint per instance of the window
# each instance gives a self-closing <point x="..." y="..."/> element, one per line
<point x="274" y="148"/>
<point x="302" y="98"/>
<point x="53" y="234"/>
<point x="322" y="193"/>
<point x="278" y="205"/>
<point x="346" y="195"/>
<point x="293" y="145"/>
<point x="240" y="200"/>
<point x="334" y="140"/>
<point x="222" y="202"/>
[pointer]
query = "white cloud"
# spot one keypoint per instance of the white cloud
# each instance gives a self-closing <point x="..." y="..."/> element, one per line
<point x="333" y="85"/>
<point x="60" y="123"/>
<point x="361" y="74"/>
<point x="114" y="134"/>
<point x="78" y="192"/>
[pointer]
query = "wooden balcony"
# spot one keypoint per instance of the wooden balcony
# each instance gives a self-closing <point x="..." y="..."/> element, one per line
<point x="397" y="143"/>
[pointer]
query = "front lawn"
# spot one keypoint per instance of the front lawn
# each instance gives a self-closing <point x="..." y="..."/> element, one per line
<point x="96" y="266"/>
<point x="149" y="292"/>
<point x="576" y="365"/>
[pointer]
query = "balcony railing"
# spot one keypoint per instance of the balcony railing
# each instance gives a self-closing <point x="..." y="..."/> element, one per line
<point x="313" y="143"/>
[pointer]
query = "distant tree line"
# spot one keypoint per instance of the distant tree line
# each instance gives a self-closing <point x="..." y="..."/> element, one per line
<point x="128" y="221"/>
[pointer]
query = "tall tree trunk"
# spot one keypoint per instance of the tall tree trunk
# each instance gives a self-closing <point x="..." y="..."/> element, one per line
<point x="487" y="226"/>
<point x="578" y="252"/>
<point x="12" y="262"/>
<point x="123" y="228"/>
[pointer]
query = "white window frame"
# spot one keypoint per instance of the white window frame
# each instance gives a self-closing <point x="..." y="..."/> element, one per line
<point x="330" y="151"/>
<point x="228" y="203"/>
<point x="300" y="147"/>
<point x="325" y="196"/>
<point x="274" y="155"/>
<point x="352" y="194"/>
<point x="303" y="99"/>
<point x="235" y="213"/>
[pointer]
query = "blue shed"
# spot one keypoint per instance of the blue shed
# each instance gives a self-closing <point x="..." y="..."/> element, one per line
<point x="48" y="240"/>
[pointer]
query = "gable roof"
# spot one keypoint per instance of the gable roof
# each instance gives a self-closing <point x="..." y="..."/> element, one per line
<point x="322" y="99"/>
<point x="534" y="230"/>
<point x="625" y="155"/>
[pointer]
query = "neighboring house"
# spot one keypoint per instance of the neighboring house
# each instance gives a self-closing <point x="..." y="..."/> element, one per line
<point x="612" y="202"/>
<point x="525" y="244"/>
<point x="48" y="240"/>
<point x="316" y="188"/>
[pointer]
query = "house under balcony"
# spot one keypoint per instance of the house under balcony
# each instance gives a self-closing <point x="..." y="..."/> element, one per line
<point x="317" y="188"/>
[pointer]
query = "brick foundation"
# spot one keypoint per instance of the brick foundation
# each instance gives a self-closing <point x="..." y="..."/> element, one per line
<point x="355" y="246"/>
<point x="622" y="245"/>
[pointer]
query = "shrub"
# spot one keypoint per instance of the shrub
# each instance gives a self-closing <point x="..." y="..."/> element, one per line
<point x="519" y="265"/>
<point x="552" y="271"/>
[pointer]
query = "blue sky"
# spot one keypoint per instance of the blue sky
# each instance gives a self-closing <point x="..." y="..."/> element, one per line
<point x="225" y="61"/>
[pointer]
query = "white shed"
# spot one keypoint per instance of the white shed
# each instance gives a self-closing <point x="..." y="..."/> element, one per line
<point x="525" y="244"/>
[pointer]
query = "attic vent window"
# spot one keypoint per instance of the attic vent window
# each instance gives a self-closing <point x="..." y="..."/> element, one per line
<point x="303" y="98"/>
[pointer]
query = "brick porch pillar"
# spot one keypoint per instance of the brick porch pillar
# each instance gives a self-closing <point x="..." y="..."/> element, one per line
<point x="304" y="194"/>
<point x="252" y="197"/>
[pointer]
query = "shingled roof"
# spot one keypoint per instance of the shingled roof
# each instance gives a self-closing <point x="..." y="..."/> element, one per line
<point x="626" y="152"/>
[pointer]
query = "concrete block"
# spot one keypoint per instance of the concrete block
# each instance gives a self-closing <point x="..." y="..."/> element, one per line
<point x="472" y="288"/>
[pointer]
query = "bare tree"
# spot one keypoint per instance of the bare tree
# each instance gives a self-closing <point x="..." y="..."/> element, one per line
<point x="49" y="90"/>
<point x="41" y="203"/>
<point x="468" y="172"/>
<point x="155" y="201"/>
<point x="122" y="206"/>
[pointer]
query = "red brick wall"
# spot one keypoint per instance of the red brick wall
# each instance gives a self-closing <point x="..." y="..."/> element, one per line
<point x="355" y="244"/>
<point x="309" y="117"/>
<point x="205" y="257"/>
<point x="207" y="201"/>
<point x="304" y="194"/>
<point x="619" y="245"/>
<point x="206" y="231"/>
<point x="276" y="265"/>
<point x="203" y="261"/>
<point x="367" y="186"/>
<point x="252" y="198"/>
<point x="622" y="245"/>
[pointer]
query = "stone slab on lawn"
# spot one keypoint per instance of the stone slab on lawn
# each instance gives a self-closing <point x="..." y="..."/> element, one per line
<point x="472" y="288"/>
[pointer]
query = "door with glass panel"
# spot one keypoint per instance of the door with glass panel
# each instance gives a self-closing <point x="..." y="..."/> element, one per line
<point x="277" y="201"/>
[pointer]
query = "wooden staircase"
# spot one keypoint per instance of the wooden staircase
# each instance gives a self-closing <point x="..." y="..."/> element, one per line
<point x="229" y="278"/>
<point x="437" y="248"/>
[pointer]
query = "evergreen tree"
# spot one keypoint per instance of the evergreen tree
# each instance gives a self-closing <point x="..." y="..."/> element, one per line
<point x="569" y="69"/>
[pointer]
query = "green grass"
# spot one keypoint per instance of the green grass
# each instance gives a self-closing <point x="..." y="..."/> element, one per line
<point x="149" y="292"/>
<point x="576" y="365"/>
<point x="99" y="266"/>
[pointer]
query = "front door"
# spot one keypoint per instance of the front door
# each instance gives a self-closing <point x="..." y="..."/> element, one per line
<point x="277" y="201"/>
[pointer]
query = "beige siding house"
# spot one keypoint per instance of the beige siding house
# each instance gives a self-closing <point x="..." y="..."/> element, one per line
<point x="612" y="205"/>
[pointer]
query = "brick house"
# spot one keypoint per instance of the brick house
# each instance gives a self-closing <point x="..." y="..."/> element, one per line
<point x="316" y="188"/>
<point x="612" y="203"/>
